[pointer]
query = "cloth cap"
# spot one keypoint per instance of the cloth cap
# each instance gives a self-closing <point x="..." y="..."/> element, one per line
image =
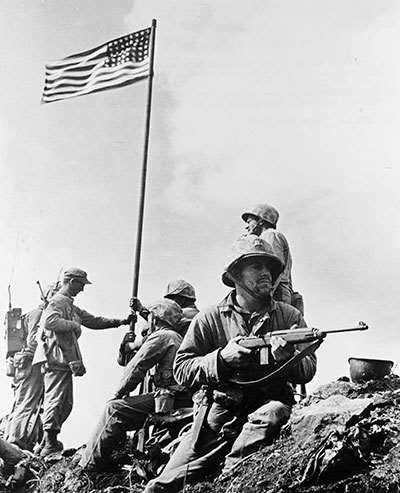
<point x="181" y="288"/>
<point x="252" y="246"/>
<point x="263" y="211"/>
<point x="78" y="274"/>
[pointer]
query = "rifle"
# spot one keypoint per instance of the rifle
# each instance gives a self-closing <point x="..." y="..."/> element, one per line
<point x="44" y="298"/>
<point x="262" y="346"/>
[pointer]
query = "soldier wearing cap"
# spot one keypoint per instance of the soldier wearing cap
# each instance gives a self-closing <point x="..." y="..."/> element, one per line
<point x="24" y="425"/>
<point x="60" y="328"/>
<point x="261" y="220"/>
<point x="233" y="420"/>
<point x="124" y="412"/>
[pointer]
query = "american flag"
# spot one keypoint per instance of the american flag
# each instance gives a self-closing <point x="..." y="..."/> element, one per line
<point x="114" y="64"/>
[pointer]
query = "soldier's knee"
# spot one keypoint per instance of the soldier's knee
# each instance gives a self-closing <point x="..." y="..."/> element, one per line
<point x="274" y="413"/>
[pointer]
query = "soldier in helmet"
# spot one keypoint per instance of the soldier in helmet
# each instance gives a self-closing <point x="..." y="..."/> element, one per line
<point x="182" y="293"/>
<point x="261" y="220"/>
<point x="60" y="326"/>
<point x="124" y="412"/>
<point x="233" y="420"/>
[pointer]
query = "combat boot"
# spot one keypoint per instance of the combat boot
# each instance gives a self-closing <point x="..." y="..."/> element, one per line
<point x="51" y="444"/>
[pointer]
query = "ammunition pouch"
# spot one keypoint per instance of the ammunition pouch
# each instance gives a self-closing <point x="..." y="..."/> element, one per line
<point x="10" y="368"/>
<point x="164" y="400"/>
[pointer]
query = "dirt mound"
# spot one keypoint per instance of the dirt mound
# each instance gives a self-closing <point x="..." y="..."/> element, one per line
<point x="353" y="446"/>
<point x="363" y="457"/>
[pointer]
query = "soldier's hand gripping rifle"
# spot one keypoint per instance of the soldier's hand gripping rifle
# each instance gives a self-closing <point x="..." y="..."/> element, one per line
<point x="262" y="346"/>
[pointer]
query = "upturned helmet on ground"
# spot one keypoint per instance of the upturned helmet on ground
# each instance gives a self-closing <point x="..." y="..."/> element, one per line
<point x="263" y="211"/>
<point x="166" y="310"/>
<point x="251" y="246"/>
<point x="180" y="287"/>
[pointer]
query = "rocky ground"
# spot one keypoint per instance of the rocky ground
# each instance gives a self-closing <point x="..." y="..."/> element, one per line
<point x="342" y="438"/>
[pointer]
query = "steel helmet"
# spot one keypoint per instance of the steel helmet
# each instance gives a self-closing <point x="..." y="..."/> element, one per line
<point x="263" y="211"/>
<point x="167" y="310"/>
<point x="180" y="288"/>
<point x="252" y="246"/>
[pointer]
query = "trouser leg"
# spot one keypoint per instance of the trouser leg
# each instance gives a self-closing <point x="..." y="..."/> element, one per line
<point x="188" y="462"/>
<point x="119" y="416"/>
<point x="58" y="399"/>
<point x="261" y="429"/>
<point x="28" y="399"/>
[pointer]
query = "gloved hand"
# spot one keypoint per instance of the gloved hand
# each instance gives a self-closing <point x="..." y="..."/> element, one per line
<point x="135" y="304"/>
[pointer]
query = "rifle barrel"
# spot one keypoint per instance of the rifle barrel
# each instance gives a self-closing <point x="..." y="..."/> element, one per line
<point x="361" y="326"/>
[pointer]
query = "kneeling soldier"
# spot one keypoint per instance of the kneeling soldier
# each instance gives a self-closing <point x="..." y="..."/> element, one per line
<point x="233" y="419"/>
<point x="124" y="413"/>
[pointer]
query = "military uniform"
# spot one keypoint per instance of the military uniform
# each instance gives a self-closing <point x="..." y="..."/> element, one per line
<point x="239" y="419"/>
<point x="182" y="289"/>
<point x="284" y="288"/>
<point x="157" y="354"/>
<point x="278" y="241"/>
<point x="61" y="319"/>
<point x="22" y="428"/>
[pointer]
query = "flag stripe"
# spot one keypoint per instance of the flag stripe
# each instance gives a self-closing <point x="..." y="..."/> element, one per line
<point x="116" y="85"/>
<point x="100" y="76"/>
<point x="82" y="75"/>
<point x="115" y="64"/>
<point x="81" y="61"/>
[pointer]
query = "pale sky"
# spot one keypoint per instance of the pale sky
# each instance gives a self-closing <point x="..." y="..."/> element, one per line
<point x="295" y="103"/>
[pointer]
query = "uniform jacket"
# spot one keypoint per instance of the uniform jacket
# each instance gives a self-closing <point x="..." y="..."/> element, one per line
<point x="158" y="352"/>
<point x="189" y="313"/>
<point x="32" y="322"/>
<point x="198" y="359"/>
<point x="280" y="244"/>
<point x="60" y="320"/>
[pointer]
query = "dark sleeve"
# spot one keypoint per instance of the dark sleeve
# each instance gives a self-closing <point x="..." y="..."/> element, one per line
<point x="92" y="322"/>
<point x="197" y="360"/>
<point x="150" y="353"/>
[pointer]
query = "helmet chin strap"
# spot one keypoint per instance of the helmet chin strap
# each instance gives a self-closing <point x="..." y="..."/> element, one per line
<point x="253" y="294"/>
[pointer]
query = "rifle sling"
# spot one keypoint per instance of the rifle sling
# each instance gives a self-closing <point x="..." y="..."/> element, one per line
<point x="287" y="365"/>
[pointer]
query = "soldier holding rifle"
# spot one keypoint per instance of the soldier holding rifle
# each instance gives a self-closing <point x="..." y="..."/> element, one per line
<point x="231" y="420"/>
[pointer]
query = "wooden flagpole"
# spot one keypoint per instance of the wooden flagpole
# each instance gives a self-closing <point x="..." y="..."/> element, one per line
<point x="124" y="358"/>
<point x="139" y="232"/>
